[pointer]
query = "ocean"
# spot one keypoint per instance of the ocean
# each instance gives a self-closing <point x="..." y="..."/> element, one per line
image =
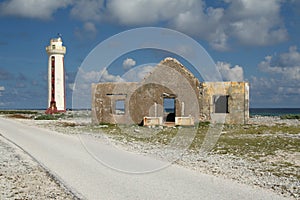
<point x="273" y="111"/>
<point x="266" y="111"/>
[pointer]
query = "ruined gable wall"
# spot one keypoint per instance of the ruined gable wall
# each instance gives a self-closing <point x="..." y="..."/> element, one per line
<point x="182" y="83"/>
<point x="176" y="65"/>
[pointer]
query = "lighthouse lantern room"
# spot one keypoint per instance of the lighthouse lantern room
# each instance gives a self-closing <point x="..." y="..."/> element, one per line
<point x="56" y="76"/>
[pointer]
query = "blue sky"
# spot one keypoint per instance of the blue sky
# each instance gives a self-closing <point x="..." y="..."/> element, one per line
<point x="252" y="40"/>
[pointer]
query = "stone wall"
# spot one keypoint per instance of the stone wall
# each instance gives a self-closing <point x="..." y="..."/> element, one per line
<point x="104" y="97"/>
<point x="237" y="94"/>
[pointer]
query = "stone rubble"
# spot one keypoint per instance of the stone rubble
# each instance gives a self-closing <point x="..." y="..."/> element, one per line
<point x="227" y="166"/>
<point x="23" y="178"/>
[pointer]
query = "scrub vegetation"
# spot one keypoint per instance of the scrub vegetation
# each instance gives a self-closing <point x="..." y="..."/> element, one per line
<point x="295" y="116"/>
<point x="7" y="112"/>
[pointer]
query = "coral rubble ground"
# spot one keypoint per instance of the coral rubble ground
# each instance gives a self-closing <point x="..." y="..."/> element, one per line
<point x="249" y="154"/>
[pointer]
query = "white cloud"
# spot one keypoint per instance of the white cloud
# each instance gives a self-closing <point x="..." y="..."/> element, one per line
<point x="107" y="77"/>
<point x="128" y="63"/>
<point x="89" y="75"/>
<point x="286" y="65"/>
<point x="282" y="83"/>
<point x="83" y="81"/>
<point x="265" y="91"/>
<point x="230" y="73"/>
<point x="291" y="58"/>
<point x="144" y="12"/>
<point x="41" y="9"/>
<point x="253" y="22"/>
<point x="218" y="40"/>
<point x="137" y="74"/>
<point x="246" y="22"/>
<point x="2" y="88"/>
<point x="87" y="10"/>
<point x="97" y="76"/>
<point x="289" y="90"/>
<point x="256" y="22"/>
<point x="207" y="23"/>
<point x="81" y="95"/>
<point x="188" y="16"/>
<point x="71" y="86"/>
<point x="88" y="30"/>
<point x="90" y="27"/>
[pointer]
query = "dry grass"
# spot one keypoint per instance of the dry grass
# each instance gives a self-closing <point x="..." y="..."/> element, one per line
<point x="19" y="116"/>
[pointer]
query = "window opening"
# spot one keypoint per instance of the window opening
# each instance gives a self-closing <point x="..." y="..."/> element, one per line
<point x="120" y="107"/>
<point x="221" y="104"/>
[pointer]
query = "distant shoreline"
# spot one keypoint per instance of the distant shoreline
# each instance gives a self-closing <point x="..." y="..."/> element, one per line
<point x="274" y="111"/>
<point x="253" y="111"/>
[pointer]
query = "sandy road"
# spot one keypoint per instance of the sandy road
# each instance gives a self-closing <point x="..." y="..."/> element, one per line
<point x="70" y="161"/>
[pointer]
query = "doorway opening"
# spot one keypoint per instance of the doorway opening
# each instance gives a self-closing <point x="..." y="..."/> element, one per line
<point x="169" y="109"/>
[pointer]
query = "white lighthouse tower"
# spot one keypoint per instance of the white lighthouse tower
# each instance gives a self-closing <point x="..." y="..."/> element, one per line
<point x="56" y="76"/>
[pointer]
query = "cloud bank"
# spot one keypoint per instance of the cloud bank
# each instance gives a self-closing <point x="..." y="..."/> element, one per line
<point x="282" y="81"/>
<point x="287" y="65"/>
<point x="252" y="23"/>
<point x="40" y="9"/>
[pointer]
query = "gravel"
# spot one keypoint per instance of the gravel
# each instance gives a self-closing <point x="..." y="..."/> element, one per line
<point x="273" y="120"/>
<point x="250" y="172"/>
<point x="23" y="178"/>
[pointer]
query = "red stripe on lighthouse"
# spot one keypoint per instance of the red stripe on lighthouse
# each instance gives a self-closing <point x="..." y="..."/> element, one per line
<point x="52" y="78"/>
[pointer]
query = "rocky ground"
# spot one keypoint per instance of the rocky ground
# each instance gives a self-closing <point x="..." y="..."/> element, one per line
<point x="23" y="178"/>
<point x="273" y="120"/>
<point x="279" y="171"/>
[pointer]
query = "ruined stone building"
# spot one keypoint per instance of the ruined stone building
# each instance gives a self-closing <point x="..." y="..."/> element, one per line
<point x="170" y="95"/>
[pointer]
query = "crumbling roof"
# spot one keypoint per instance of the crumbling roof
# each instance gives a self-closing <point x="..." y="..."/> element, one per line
<point x="175" y="64"/>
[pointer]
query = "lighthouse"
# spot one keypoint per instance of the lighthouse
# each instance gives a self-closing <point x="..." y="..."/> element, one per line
<point x="56" y="76"/>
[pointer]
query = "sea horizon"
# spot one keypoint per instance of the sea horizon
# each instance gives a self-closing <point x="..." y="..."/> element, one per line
<point x="273" y="111"/>
<point x="260" y="111"/>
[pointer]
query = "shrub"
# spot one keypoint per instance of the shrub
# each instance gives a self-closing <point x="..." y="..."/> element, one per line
<point x="49" y="117"/>
<point x="290" y="116"/>
<point x="5" y="112"/>
<point x="18" y="116"/>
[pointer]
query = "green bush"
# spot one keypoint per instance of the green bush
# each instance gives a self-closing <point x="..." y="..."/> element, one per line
<point x="49" y="117"/>
<point x="290" y="116"/>
<point x="203" y="124"/>
<point x="5" y="112"/>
